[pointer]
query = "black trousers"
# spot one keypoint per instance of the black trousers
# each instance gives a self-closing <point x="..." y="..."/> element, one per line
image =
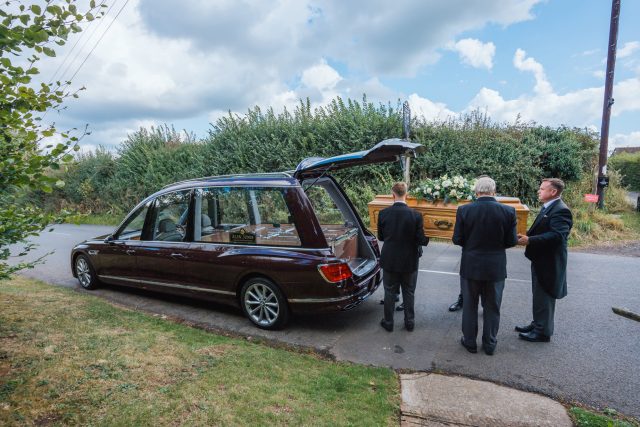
<point x="491" y="294"/>
<point x="544" y="307"/>
<point x="406" y="282"/>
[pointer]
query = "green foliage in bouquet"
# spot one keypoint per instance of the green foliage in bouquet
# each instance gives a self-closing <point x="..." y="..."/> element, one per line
<point x="445" y="188"/>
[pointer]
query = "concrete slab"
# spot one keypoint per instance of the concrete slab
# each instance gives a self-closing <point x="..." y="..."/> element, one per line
<point x="440" y="400"/>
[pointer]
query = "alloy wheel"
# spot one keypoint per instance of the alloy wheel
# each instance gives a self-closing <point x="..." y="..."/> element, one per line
<point x="261" y="304"/>
<point x="83" y="272"/>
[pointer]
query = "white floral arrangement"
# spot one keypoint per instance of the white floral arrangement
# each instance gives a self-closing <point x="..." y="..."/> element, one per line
<point x="448" y="189"/>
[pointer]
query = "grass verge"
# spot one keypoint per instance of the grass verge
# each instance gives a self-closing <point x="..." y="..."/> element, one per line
<point x="68" y="358"/>
<point x="584" y="418"/>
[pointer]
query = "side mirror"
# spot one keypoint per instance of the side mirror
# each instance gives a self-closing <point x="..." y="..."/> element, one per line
<point x="109" y="238"/>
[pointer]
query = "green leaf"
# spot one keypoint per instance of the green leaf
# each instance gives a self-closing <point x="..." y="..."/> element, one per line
<point x="24" y="19"/>
<point x="48" y="51"/>
<point x="59" y="183"/>
<point x="36" y="9"/>
<point x="92" y="4"/>
<point x="67" y="158"/>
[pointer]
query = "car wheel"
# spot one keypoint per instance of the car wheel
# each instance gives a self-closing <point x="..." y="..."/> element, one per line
<point x="264" y="304"/>
<point x="84" y="272"/>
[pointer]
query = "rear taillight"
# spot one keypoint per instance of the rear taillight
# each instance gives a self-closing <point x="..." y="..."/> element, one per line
<point x="334" y="273"/>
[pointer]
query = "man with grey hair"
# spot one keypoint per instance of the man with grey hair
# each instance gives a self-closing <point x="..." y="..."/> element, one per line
<point x="484" y="229"/>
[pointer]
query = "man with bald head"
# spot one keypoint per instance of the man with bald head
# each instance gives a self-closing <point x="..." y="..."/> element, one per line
<point x="484" y="229"/>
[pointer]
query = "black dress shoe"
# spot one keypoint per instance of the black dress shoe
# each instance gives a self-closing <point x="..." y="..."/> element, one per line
<point x="470" y="349"/>
<point x="488" y="351"/>
<point x="388" y="327"/>
<point x="456" y="305"/>
<point x="534" y="337"/>
<point x="525" y="329"/>
<point x="409" y="326"/>
<point x="400" y="307"/>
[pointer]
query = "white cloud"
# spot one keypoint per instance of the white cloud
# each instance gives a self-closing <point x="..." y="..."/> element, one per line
<point x="429" y="110"/>
<point x="580" y="108"/>
<point x="475" y="53"/>
<point x="321" y="76"/>
<point x="522" y="63"/>
<point x="624" y="140"/>
<point x="628" y="49"/>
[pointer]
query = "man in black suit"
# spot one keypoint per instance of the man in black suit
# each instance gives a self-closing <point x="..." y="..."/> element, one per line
<point x="546" y="243"/>
<point x="484" y="229"/>
<point x="401" y="230"/>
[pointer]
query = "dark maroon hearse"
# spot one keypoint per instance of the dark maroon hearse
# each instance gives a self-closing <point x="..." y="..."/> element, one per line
<point x="270" y="243"/>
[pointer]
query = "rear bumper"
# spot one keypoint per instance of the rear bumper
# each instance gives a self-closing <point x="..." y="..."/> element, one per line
<point x="365" y="288"/>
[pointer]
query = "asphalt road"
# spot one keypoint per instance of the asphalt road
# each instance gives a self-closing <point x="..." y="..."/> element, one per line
<point x="593" y="357"/>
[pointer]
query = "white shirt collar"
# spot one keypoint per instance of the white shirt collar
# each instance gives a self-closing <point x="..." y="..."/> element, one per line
<point x="546" y="205"/>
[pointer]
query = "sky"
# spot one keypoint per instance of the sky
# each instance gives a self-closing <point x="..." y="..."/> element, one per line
<point x="190" y="62"/>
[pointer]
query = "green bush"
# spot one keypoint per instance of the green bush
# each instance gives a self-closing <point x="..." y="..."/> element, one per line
<point x="516" y="155"/>
<point x="628" y="165"/>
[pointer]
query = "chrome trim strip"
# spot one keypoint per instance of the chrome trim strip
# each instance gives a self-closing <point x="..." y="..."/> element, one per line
<point x="312" y="300"/>
<point x="168" y="285"/>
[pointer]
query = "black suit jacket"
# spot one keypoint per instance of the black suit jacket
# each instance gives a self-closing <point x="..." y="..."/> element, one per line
<point x="547" y="248"/>
<point x="401" y="230"/>
<point x="484" y="229"/>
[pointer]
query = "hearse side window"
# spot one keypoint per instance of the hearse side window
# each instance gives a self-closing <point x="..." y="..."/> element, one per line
<point x="244" y="216"/>
<point x="323" y="205"/>
<point x="170" y="219"/>
<point x="132" y="229"/>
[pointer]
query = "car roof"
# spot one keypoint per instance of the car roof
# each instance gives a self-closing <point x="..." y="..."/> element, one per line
<point x="276" y="179"/>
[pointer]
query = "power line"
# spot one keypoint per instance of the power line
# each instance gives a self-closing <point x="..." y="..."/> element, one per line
<point x="81" y="37"/>
<point x="99" y="40"/>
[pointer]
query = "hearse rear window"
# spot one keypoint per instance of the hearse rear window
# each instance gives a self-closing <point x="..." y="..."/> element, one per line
<point x="245" y="216"/>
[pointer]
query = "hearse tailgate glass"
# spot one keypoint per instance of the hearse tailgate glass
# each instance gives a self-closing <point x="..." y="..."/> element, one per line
<point x="385" y="151"/>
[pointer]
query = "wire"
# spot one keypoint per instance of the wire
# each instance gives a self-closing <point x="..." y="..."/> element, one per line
<point x="81" y="37"/>
<point x="99" y="40"/>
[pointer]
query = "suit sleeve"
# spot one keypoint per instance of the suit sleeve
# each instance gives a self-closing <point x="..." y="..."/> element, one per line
<point x="511" y="231"/>
<point x="560" y="224"/>
<point x="420" y="237"/>
<point x="458" y="229"/>
<point x="380" y="221"/>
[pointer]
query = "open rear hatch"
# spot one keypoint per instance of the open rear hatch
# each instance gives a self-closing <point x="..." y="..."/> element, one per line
<point x="385" y="151"/>
<point x="340" y="223"/>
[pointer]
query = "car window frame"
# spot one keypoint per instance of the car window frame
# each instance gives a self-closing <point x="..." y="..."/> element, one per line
<point x="152" y="215"/>
<point x="125" y="222"/>
<point x="250" y="213"/>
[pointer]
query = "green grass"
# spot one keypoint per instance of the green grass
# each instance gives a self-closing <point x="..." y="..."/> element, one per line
<point x="95" y="219"/>
<point x="69" y="358"/>
<point x="584" y="418"/>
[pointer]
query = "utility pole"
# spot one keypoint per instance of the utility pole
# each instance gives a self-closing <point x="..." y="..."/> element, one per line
<point x="603" y="179"/>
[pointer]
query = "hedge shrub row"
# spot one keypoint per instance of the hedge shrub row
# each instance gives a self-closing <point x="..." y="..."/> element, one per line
<point x="516" y="155"/>
<point x="628" y="165"/>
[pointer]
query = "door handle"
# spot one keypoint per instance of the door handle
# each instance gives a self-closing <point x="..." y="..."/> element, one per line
<point x="177" y="255"/>
<point x="130" y="251"/>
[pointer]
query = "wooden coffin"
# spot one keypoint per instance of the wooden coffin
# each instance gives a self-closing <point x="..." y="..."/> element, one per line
<point x="439" y="219"/>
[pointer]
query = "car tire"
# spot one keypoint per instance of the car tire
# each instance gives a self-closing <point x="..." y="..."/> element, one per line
<point x="264" y="304"/>
<point x="85" y="273"/>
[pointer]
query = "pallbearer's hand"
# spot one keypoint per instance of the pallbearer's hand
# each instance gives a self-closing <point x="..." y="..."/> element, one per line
<point x="523" y="239"/>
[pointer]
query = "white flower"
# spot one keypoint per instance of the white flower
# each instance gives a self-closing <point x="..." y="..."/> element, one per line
<point x="469" y="198"/>
<point x="437" y="187"/>
<point x="428" y="191"/>
<point x="447" y="183"/>
<point x="436" y="194"/>
<point x="453" y="193"/>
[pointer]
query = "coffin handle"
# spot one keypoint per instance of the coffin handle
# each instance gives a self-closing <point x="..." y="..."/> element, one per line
<point x="442" y="224"/>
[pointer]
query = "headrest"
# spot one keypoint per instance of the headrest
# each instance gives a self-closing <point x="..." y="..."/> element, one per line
<point x="166" y="225"/>
<point x="206" y="221"/>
